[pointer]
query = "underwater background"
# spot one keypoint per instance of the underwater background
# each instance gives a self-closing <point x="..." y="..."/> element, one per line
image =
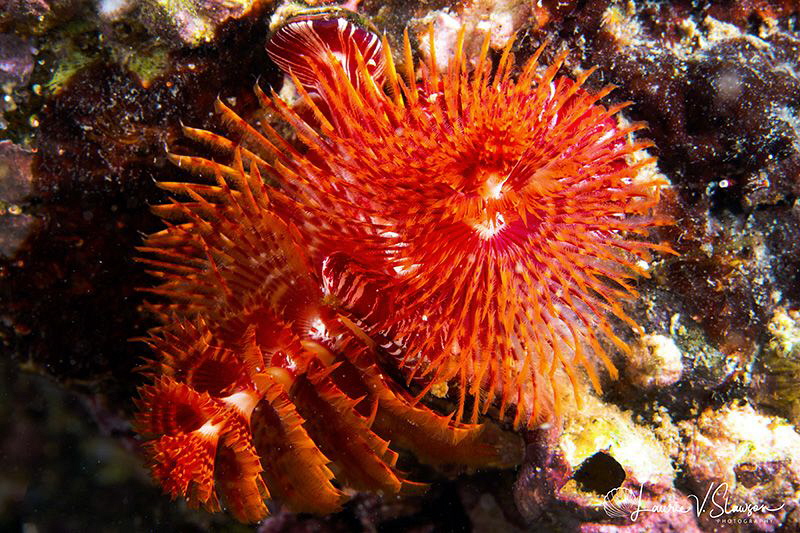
<point x="93" y="93"/>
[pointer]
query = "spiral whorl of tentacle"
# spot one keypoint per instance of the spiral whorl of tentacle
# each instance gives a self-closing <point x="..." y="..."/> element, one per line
<point x="471" y="231"/>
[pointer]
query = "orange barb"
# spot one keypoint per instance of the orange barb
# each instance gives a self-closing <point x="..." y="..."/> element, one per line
<point x="473" y="230"/>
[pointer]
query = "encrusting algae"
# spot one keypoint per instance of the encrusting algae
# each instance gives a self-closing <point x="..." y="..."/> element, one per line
<point x="470" y="231"/>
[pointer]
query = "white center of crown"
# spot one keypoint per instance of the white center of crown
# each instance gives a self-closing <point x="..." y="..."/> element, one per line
<point x="490" y="227"/>
<point x="209" y="429"/>
<point x="243" y="401"/>
<point x="492" y="188"/>
<point x="318" y="329"/>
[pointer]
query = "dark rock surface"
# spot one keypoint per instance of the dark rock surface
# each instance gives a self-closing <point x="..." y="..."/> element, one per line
<point x="89" y="105"/>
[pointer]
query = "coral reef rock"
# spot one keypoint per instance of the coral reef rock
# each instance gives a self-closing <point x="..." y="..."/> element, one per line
<point x="748" y="465"/>
<point x="656" y="361"/>
<point x="15" y="186"/>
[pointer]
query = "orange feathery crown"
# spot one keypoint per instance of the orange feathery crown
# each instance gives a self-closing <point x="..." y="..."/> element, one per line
<point x="470" y="231"/>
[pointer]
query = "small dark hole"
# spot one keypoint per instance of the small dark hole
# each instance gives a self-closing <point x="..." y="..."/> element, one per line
<point x="600" y="474"/>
